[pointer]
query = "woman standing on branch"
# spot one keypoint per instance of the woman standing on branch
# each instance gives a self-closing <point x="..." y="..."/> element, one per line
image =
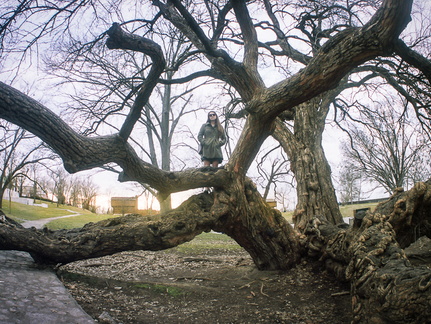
<point x="211" y="137"/>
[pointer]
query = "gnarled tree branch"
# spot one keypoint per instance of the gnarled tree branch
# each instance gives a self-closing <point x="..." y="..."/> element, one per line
<point x="130" y="232"/>
<point x="118" y="39"/>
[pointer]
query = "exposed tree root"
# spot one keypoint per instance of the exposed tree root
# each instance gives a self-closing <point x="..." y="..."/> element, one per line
<point x="385" y="287"/>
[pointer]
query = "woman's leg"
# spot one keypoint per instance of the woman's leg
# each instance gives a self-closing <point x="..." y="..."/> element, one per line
<point x="206" y="163"/>
<point x="215" y="164"/>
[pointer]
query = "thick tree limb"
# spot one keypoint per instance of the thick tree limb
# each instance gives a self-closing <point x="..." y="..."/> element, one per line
<point x="409" y="213"/>
<point x="414" y="58"/>
<point x="338" y="56"/>
<point x="251" y="53"/>
<point x="261" y="230"/>
<point x="385" y="287"/>
<point x="245" y="80"/>
<point x="316" y="194"/>
<point x="127" y="233"/>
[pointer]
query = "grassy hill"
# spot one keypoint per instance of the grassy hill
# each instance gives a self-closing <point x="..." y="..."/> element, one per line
<point x="23" y="212"/>
<point x="28" y="212"/>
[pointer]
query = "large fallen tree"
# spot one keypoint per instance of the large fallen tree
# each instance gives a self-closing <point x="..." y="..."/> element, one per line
<point x="369" y="256"/>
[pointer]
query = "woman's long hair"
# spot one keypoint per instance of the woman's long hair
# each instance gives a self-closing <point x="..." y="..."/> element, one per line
<point x="218" y="124"/>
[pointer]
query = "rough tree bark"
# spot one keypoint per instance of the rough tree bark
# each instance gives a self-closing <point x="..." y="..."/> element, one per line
<point x="315" y="191"/>
<point x="385" y="287"/>
<point x="409" y="213"/>
<point x="262" y="231"/>
<point x="130" y="232"/>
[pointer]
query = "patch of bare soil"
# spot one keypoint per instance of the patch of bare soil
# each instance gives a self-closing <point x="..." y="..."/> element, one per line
<point x="221" y="287"/>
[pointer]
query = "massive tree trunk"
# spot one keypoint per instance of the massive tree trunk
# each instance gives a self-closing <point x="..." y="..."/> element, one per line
<point x="315" y="191"/>
<point x="130" y="232"/>
<point x="385" y="287"/>
<point x="262" y="231"/>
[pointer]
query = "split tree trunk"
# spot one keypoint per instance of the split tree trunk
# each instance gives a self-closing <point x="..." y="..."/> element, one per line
<point x="315" y="191"/>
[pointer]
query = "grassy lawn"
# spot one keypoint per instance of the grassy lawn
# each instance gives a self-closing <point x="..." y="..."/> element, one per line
<point x="21" y="212"/>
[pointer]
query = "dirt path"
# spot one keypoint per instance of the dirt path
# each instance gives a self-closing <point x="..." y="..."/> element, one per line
<point x="221" y="287"/>
<point x="41" y="222"/>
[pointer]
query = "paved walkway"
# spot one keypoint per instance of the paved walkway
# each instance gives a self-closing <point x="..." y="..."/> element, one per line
<point x="31" y="295"/>
<point x="39" y="223"/>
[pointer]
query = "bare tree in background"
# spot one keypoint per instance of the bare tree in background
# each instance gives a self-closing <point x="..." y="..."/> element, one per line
<point x="107" y="81"/>
<point x="350" y="183"/>
<point x="387" y="149"/>
<point x="60" y="184"/>
<point x="88" y="194"/>
<point x="273" y="171"/>
<point x="18" y="152"/>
